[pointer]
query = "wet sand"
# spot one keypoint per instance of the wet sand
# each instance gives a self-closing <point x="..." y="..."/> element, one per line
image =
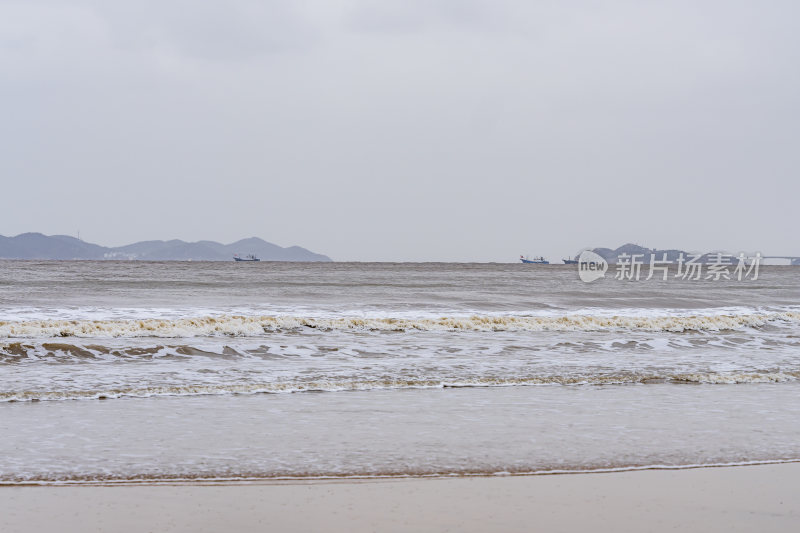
<point x="749" y="498"/>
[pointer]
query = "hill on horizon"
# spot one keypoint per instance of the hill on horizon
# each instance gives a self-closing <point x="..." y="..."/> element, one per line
<point x="64" y="247"/>
<point x="611" y="256"/>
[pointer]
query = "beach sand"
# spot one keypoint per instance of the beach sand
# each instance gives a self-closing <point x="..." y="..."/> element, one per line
<point x="747" y="498"/>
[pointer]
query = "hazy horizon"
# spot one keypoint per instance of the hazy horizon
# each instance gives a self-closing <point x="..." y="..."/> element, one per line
<point x="403" y="131"/>
<point x="770" y="258"/>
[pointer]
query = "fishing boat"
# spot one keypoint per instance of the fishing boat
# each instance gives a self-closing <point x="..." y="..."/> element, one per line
<point x="535" y="261"/>
<point x="249" y="257"/>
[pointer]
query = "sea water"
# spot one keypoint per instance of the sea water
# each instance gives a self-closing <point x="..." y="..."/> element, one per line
<point x="126" y="371"/>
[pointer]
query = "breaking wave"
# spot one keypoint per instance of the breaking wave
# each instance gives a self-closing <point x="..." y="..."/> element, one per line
<point x="716" y="378"/>
<point x="249" y="326"/>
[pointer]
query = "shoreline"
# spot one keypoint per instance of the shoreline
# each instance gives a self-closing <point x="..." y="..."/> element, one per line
<point x="758" y="497"/>
<point x="279" y="480"/>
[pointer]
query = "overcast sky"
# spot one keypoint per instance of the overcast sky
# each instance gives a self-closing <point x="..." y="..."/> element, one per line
<point x="404" y="130"/>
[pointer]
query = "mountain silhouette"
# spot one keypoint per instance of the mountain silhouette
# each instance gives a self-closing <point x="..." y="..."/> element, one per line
<point x="39" y="246"/>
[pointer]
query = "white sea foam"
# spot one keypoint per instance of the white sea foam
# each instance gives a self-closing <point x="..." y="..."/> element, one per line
<point x="249" y="326"/>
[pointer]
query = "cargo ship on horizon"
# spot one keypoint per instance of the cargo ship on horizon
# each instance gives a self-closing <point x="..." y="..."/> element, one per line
<point x="249" y="257"/>
<point x="535" y="261"/>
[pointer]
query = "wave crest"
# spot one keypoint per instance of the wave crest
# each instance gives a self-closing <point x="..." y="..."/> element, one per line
<point x="250" y="326"/>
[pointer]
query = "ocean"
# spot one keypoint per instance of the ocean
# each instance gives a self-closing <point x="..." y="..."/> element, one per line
<point x="163" y="371"/>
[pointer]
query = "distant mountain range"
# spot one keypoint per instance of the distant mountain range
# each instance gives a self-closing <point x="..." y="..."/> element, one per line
<point x="38" y="246"/>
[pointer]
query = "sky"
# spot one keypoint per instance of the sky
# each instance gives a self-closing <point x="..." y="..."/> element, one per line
<point x="436" y="130"/>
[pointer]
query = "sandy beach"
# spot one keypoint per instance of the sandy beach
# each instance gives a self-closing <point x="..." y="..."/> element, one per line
<point x="746" y="498"/>
<point x="352" y="266"/>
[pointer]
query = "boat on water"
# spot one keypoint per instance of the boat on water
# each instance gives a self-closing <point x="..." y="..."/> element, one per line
<point x="535" y="261"/>
<point x="570" y="261"/>
<point x="249" y="257"/>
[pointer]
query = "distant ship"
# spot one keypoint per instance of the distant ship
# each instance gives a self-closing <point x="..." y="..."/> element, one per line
<point x="535" y="261"/>
<point x="249" y="257"/>
<point x="570" y="261"/>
